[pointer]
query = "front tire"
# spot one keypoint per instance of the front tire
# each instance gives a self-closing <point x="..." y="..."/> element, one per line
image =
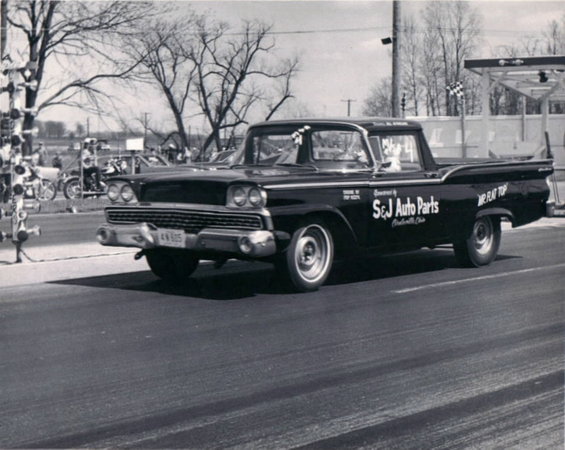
<point x="172" y="266"/>
<point x="481" y="247"/>
<point x="71" y="189"/>
<point x="309" y="256"/>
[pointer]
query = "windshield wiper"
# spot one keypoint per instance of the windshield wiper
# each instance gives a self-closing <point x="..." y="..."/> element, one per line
<point x="243" y="166"/>
<point x="311" y="166"/>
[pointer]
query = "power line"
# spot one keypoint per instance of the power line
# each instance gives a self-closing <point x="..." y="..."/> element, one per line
<point x="358" y="30"/>
<point x="377" y="28"/>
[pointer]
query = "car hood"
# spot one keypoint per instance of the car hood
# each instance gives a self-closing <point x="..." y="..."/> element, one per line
<point x="263" y="176"/>
<point x="210" y="186"/>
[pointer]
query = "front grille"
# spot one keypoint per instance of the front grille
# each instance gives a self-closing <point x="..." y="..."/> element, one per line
<point x="189" y="221"/>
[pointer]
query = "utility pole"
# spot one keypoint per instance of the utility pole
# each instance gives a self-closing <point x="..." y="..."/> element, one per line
<point x="88" y="127"/>
<point x="396" y="48"/>
<point x="349" y="101"/>
<point x="145" y="114"/>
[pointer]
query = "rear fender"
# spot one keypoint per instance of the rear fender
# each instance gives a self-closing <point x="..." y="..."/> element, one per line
<point x="464" y="228"/>
<point x="498" y="212"/>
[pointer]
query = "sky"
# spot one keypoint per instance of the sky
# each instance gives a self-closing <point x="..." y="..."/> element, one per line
<point x="339" y="45"/>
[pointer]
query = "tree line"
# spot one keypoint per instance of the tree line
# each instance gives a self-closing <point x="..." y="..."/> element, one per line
<point x="434" y="48"/>
<point x="201" y="66"/>
<point x="205" y="68"/>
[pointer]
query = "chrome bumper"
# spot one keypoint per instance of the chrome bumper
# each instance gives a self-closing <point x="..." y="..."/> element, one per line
<point x="258" y="244"/>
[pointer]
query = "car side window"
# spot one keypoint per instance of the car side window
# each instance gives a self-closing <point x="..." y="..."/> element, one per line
<point x="338" y="145"/>
<point x="399" y="152"/>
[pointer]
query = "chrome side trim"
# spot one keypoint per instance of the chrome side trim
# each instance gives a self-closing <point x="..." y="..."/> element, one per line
<point x="361" y="184"/>
<point x="418" y="182"/>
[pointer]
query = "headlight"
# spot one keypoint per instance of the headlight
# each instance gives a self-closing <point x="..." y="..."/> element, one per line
<point x="120" y="191"/>
<point x="255" y="197"/>
<point x="246" y="197"/>
<point x="127" y="193"/>
<point x="239" y="196"/>
<point x="113" y="192"/>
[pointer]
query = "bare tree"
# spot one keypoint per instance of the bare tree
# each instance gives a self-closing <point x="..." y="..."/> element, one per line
<point x="229" y="69"/>
<point x="554" y="37"/>
<point x="66" y="34"/>
<point x="456" y="27"/>
<point x="160" y="47"/>
<point x="284" y="91"/>
<point x="411" y="51"/>
<point x="378" y="102"/>
<point x="203" y="68"/>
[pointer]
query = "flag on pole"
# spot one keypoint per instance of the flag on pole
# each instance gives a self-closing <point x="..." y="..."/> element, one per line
<point x="456" y="88"/>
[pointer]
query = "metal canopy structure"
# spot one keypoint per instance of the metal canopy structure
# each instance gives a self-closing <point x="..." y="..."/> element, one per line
<point x="537" y="78"/>
<point x="540" y="78"/>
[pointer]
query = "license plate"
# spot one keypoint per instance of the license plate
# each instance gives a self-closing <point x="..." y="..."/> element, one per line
<point x="171" y="238"/>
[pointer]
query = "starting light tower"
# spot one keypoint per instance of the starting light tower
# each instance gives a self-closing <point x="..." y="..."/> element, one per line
<point x="23" y="180"/>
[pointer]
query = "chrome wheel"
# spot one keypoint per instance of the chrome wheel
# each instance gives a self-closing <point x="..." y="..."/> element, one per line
<point x="309" y="256"/>
<point x="312" y="255"/>
<point x="483" y="236"/>
<point x="481" y="247"/>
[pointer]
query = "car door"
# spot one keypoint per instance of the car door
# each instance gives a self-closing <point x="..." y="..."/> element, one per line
<point x="405" y="206"/>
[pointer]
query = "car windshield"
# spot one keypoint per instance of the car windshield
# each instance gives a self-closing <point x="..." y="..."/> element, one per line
<point x="271" y="149"/>
<point x="321" y="147"/>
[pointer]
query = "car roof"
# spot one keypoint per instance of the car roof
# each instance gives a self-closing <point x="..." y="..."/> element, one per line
<point x="369" y="123"/>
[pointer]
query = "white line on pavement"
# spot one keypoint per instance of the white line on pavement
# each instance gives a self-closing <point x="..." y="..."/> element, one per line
<point x="484" y="277"/>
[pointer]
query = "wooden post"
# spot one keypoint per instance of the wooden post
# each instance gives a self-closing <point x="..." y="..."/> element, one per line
<point x="485" y="113"/>
<point x="463" y="144"/>
<point x="544" y="119"/>
<point x="3" y="28"/>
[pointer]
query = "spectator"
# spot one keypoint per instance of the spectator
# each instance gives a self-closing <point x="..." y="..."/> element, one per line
<point x="187" y="156"/>
<point x="153" y="158"/>
<point x="57" y="162"/>
<point x="172" y="153"/>
<point x="41" y="153"/>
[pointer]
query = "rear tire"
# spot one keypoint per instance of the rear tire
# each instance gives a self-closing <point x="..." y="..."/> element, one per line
<point x="481" y="247"/>
<point x="309" y="257"/>
<point x="172" y="266"/>
<point x="47" y="190"/>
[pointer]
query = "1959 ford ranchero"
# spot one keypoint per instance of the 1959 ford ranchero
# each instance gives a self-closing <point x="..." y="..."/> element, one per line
<point x="307" y="191"/>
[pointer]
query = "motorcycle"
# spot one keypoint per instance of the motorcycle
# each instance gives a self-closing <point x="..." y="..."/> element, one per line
<point x="72" y="188"/>
<point x="44" y="188"/>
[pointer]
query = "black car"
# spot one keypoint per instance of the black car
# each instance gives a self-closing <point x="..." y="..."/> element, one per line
<point x="308" y="191"/>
